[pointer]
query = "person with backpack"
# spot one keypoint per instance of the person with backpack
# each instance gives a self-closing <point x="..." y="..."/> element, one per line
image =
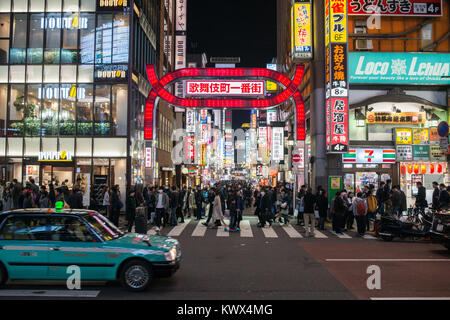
<point x="372" y="205"/>
<point x="360" y="212"/>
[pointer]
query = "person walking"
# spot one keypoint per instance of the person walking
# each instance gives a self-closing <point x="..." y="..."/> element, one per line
<point x="217" y="216"/>
<point x="421" y="201"/>
<point x="162" y="204"/>
<point x="349" y="217"/>
<point x="308" y="216"/>
<point x="174" y="198"/>
<point x="131" y="209"/>
<point x="372" y="206"/>
<point x="360" y="212"/>
<point x="106" y="202"/>
<point x="76" y="199"/>
<point x="265" y="207"/>
<point x="396" y="202"/>
<point x="192" y="204"/>
<point x="301" y="205"/>
<point x="322" y="206"/>
<point x="444" y="197"/>
<point x="339" y="212"/>
<point x="380" y="198"/>
<point x="435" y="197"/>
<point x="115" y="206"/>
<point x="198" y="203"/>
<point x="284" y="206"/>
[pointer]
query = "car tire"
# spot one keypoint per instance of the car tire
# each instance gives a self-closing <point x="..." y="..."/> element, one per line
<point x="136" y="275"/>
<point x="3" y="274"/>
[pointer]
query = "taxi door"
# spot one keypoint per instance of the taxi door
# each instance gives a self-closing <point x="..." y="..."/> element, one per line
<point x="73" y="244"/>
<point x="24" y="246"/>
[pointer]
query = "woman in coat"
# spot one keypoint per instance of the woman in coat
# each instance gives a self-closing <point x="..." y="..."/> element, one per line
<point x="192" y="203"/>
<point x="217" y="211"/>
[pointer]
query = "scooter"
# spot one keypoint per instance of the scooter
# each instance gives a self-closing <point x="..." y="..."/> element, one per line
<point x="390" y="227"/>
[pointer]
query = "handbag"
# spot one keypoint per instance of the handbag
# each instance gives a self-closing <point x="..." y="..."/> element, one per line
<point x="227" y="213"/>
<point x="316" y="214"/>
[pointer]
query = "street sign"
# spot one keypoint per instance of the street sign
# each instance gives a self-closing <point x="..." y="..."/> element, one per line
<point x="443" y="129"/>
<point x="296" y="158"/>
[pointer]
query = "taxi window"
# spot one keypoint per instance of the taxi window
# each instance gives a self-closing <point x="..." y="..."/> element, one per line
<point x="102" y="226"/>
<point x="25" y="228"/>
<point x="69" y="229"/>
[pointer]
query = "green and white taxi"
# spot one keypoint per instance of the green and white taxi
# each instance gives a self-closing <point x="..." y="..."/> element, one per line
<point x="41" y="244"/>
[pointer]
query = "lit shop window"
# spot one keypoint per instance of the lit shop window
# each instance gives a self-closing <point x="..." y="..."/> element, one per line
<point x="19" y="39"/>
<point x="36" y="42"/>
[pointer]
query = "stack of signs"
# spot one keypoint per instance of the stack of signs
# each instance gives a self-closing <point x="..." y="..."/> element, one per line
<point x="336" y="75"/>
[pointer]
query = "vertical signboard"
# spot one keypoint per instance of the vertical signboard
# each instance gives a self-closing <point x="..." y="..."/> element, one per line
<point x="277" y="143"/>
<point x="190" y="120"/>
<point x="270" y="85"/>
<point x="180" y="43"/>
<point x="336" y="75"/>
<point x="301" y="30"/>
<point x="148" y="157"/>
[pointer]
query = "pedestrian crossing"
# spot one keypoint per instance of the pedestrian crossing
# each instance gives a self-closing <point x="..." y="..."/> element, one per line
<point x="249" y="229"/>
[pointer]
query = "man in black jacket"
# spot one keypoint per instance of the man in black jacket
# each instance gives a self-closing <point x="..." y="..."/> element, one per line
<point x="198" y="203"/>
<point x="444" y="197"/>
<point x="436" y="193"/>
<point x="421" y="201"/>
<point x="76" y="199"/>
<point x="380" y="198"/>
<point x="265" y="206"/>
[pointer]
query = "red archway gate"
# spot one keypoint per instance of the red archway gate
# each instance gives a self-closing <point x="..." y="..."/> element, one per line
<point x="291" y="90"/>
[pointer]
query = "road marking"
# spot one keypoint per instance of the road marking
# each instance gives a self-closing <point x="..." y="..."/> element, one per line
<point x="343" y="236"/>
<point x="50" y="293"/>
<point x="368" y="236"/>
<point x="319" y="234"/>
<point x="246" y="230"/>
<point x="176" y="231"/>
<point x="269" y="232"/>
<point x="413" y="298"/>
<point x="152" y="231"/>
<point x="390" y="260"/>
<point x="221" y="229"/>
<point x="290" y="230"/>
<point x="199" y="230"/>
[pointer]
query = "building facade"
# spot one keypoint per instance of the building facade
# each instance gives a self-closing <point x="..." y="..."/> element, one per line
<point x="73" y="89"/>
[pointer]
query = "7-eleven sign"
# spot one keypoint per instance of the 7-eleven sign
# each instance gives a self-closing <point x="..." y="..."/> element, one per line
<point x="369" y="155"/>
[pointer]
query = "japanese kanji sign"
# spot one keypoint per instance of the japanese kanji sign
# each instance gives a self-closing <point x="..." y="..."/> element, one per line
<point x="395" y="118"/>
<point x="225" y="88"/>
<point x="301" y="30"/>
<point x="395" y="7"/>
<point x="336" y="93"/>
<point x="277" y="143"/>
<point x="403" y="136"/>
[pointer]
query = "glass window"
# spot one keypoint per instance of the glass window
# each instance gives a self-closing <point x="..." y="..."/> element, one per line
<point x="87" y="5"/>
<point x="53" y="39"/>
<point x="85" y="73"/>
<point x="34" y="74"/>
<point x="5" y="21"/>
<point x="3" y="74"/>
<point x="3" y="102"/>
<point x="15" y="148"/>
<point x="4" y="50"/>
<point x="119" y="109"/>
<point x="19" y="39"/>
<point x="25" y="228"/>
<point x="67" y="144"/>
<point x="87" y="38"/>
<point x="69" y="52"/>
<point x="2" y="148"/>
<point x="16" y="110"/>
<point x="67" y="110"/>
<point x="32" y="110"/>
<point x="103" y="227"/>
<point x="69" y="73"/>
<point x="50" y="110"/>
<point x="104" y="39"/>
<point x="5" y="6"/>
<point x="102" y="147"/>
<point x="49" y="144"/>
<point x="121" y="38"/>
<point x="36" y="6"/>
<point x="84" y="109"/>
<point x="36" y="43"/>
<point x="70" y="5"/>
<point x="20" y="5"/>
<point x="32" y="148"/>
<point x="51" y="73"/>
<point x="53" y="5"/>
<point x="70" y="229"/>
<point x="17" y="74"/>
<point x="102" y="116"/>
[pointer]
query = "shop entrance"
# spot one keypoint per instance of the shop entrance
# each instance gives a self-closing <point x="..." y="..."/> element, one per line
<point x="57" y="173"/>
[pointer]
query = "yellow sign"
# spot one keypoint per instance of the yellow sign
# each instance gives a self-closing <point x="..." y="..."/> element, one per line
<point x="55" y="156"/>
<point x="421" y="136"/>
<point x="302" y="30"/>
<point x="403" y="136"/>
<point x="396" y="118"/>
<point x="338" y="20"/>
<point x="335" y="182"/>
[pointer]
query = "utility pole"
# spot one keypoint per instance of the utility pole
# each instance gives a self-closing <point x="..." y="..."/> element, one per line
<point x="317" y="101"/>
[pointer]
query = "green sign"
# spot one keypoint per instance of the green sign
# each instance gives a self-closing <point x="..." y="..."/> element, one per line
<point x="421" y="153"/>
<point x="59" y="205"/>
<point x="399" y="67"/>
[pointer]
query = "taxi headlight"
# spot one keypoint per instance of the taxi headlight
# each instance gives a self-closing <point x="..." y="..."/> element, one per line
<point x="171" y="255"/>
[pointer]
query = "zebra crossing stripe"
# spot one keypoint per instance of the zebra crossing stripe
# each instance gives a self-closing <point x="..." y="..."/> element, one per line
<point x="199" y="230"/>
<point x="319" y="234"/>
<point x="343" y="236"/>
<point x="290" y="230"/>
<point x="368" y="236"/>
<point x="151" y="232"/>
<point x="246" y="230"/>
<point x="269" y="232"/>
<point x="176" y="231"/>
<point x="221" y="230"/>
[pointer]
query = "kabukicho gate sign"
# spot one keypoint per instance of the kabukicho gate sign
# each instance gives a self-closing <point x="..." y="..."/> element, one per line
<point x="219" y="95"/>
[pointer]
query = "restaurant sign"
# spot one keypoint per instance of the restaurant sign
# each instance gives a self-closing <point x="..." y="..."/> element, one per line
<point x="421" y="153"/>
<point x="404" y="153"/>
<point x="59" y="156"/>
<point x="410" y="8"/>
<point x="395" y="118"/>
<point x="399" y="68"/>
<point x="403" y="136"/>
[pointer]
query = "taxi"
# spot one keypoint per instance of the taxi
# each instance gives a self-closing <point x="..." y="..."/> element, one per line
<point x="41" y="244"/>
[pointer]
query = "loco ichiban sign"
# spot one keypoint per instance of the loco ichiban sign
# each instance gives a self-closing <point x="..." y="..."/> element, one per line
<point x="336" y="75"/>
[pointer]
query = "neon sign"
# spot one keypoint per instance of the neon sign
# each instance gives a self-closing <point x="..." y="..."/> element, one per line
<point x="158" y="90"/>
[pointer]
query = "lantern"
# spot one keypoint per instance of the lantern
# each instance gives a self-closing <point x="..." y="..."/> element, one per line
<point x="403" y="169"/>
<point x="423" y="169"/>
<point x="416" y="168"/>
<point x="431" y="168"/>
<point x="439" y="168"/>
<point x="409" y="168"/>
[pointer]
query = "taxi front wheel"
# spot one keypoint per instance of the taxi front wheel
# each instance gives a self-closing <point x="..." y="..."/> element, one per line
<point x="136" y="275"/>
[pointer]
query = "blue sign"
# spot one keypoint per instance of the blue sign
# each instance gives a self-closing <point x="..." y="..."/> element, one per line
<point x="399" y="67"/>
<point x="442" y="129"/>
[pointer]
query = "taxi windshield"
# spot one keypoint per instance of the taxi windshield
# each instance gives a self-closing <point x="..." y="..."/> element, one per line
<point x="103" y="226"/>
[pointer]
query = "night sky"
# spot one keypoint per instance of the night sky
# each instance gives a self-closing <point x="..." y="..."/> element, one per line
<point x="233" y="28"/>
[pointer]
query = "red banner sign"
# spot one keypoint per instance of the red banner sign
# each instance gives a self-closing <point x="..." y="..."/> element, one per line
<point x="396" y="7"/>
<point x="339" y="125"/>
<point x="225" y="88"/>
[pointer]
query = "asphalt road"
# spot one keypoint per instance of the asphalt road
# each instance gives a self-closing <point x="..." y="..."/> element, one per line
<point x="233" y="267"/>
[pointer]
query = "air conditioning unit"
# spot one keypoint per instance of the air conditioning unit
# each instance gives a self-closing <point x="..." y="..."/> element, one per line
<point x="362" y="44"/>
